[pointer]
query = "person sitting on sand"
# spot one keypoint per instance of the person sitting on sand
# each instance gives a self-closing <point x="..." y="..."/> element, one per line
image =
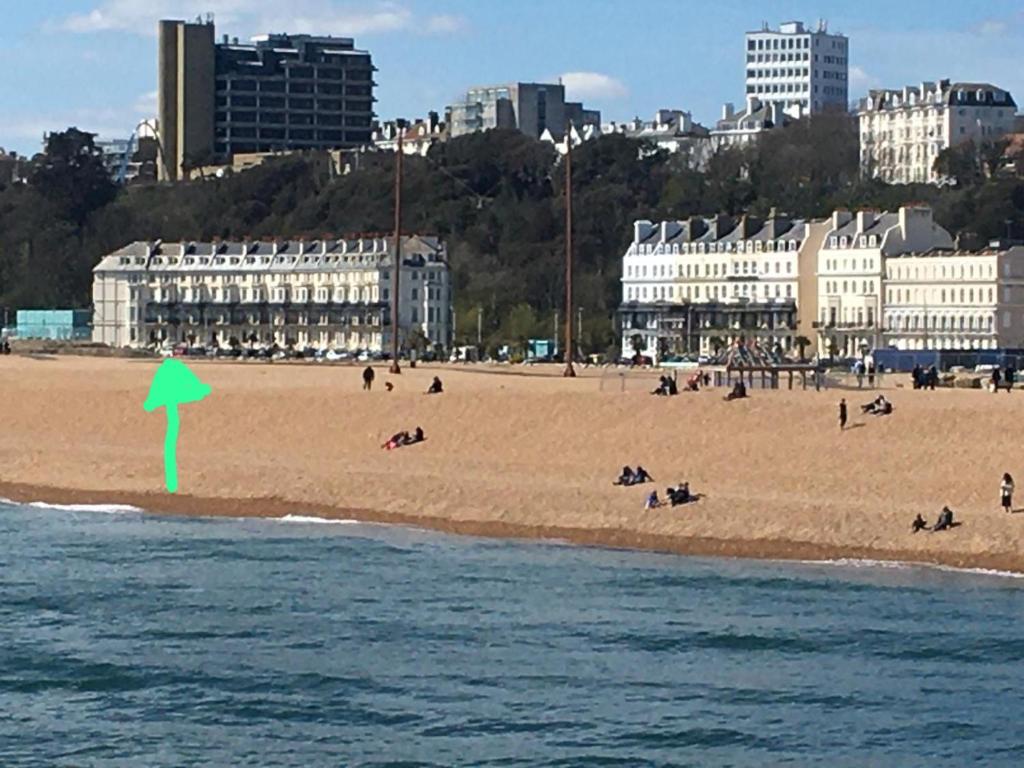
<point x="416" y="437"/>
<point x="693" y="383"/>
<point x="919" y="524"/>
<point x="662" y="388"/>
<point x="626" y="477"/>
<point x="680" y="494"/>
<point x="641" y="476"/>
<point x="945" y="521"/>
<point x="435" y="387"/>
<point x="653" y="501"/>
<point x="673" y="389"/>
<point x="388" y="386"/>
<point x="739" y="391"/>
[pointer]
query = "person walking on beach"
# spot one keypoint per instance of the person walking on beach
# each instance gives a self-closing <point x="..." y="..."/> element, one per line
<point x="1008" y="376"/>
<point x="995" y="379"/>
<point x="368" y="378"/>
<point x="1006" y="492"/>
<point x="842" y="414"/>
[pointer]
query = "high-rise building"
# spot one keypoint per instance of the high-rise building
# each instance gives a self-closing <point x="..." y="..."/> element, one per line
<point x="800" y="71"/>
<point x="530" y="108"/>
<point x="280" y="92"/>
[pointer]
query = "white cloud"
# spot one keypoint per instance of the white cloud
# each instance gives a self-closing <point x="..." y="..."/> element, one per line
<point x="246" y="17"/>
<point x="861" y="82"/>
<point x="992" y="27"/>
<point x="446" y="25"/>
<point x="146" y="104"/>
<point x="593" y="85"/>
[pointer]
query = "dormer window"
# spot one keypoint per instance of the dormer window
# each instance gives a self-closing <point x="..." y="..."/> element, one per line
<point x="842" y="242"/>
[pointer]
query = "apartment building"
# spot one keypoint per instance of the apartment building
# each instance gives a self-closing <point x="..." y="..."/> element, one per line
<point x="531" y="108"/>
<point x="323" y="293"/>
<point x="902" y="131"/>
<point x="279" y="92"/>
<point x="695" y="286"/>
<point x="799" y="70"/>
<point x="851" y="272"/>
<point x="949" y="299"/>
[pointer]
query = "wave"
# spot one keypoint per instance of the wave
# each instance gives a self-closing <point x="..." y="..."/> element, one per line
<point x="314" y="520"/>
<point x="108" y="509"/>
<point x="903" y="565"/>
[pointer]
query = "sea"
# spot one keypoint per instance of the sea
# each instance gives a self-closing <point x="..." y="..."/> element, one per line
<point x="129" y="639"/>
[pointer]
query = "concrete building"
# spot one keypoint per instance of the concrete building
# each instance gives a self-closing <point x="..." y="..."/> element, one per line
<point x="903" y="131"/>
<point x="13" y="168"/>
<point x="322" y="293"/>
<point x="696" y="286"/>
<point x="949" y="299"/>
<point x="530" y="108"/>
<point x="279" y="92"/>
<point x="799" y="71"/>
<point x="852" y="272"/>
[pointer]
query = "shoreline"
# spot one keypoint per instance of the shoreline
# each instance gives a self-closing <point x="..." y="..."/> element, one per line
<point x="276" y="508"/>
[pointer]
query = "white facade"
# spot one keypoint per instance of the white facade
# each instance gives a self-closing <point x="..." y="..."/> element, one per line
<point x="903" y="131"/>
<point x="701" y="281"/>
<point x="955" y="300"/>
<point x="800" y="71"/>
<point x="325" y="293"/>
<point x="852" y="272"/>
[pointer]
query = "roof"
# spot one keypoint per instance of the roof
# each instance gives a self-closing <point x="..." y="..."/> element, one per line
<point x="281" y="255"/>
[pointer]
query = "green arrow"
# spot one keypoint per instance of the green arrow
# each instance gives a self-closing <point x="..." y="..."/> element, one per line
<point x="173" y="384"/>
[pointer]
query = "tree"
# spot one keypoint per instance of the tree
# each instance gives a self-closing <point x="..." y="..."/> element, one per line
<point x="71" y="175"/>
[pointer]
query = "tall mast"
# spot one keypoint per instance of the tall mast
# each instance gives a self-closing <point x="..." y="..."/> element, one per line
<point x="569" y="370"/>
<point x="396" y="264"/>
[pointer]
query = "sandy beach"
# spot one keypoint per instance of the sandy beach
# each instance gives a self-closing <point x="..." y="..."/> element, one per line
<point x="524" y="453"/>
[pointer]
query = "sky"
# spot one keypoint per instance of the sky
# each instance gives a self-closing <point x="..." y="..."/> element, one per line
<point x="92" y="63"/>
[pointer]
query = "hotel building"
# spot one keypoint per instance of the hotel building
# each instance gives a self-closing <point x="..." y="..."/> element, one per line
<point x="279" y="92"/>
<point x="330" y="293"/>
<point x="949" y="299"/>
<point x="903" y="131"/>
<point x="852" y="270"/>
<point x="695" y="286"/>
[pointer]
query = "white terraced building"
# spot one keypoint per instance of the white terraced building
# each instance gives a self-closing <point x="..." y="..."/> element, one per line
<point x="902" y="131"/>
<point x="851" y="272"/>
<point x="329" y="293"/>
<point x="950" y="299"/>
<point x="697" y="285"/>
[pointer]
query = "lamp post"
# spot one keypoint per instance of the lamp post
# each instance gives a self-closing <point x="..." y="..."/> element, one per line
<point x="396" y="266"/>
<point x="569" y="372"/>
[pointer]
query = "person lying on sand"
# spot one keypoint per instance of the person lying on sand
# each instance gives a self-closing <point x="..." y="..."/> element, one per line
<point x="945" y="521"/>
<point x="398" y="439"/>
<point x="919" y="524"/>
<point x="879" y="407"/>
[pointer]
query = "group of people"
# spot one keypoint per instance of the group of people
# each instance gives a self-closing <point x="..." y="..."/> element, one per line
<point x="945" y="521"/>
<point x="629" y="477"/>
<point x="739" y="391"/>
<point x="680" y="494"/>
<point x="1004" y="378"/>
<point x="924" y="379"/>
<point x="860" y="369"/>
<point x="399" y="439"/>
<point x="666" y="386"/>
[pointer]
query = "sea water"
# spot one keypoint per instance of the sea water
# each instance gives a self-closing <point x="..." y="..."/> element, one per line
<point x="135" y="640"/>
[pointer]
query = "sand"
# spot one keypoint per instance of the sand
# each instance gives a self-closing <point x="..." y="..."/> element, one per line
<point x="522" y="452"/>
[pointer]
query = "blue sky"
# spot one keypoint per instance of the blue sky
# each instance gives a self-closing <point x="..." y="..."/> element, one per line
<point x="92" y="63"/>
